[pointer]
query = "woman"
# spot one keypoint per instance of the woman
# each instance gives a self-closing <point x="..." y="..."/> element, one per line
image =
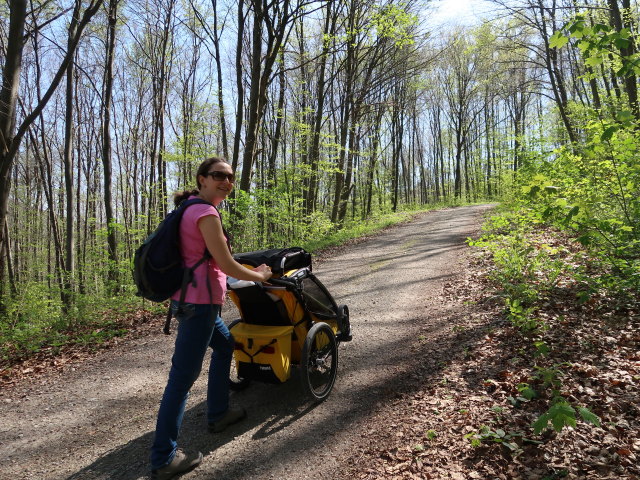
<point x="199" y="322"/>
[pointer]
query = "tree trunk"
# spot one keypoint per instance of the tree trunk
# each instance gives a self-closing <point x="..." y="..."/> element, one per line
<point x="216" y="46"/>
<point x="106" y="147"/>
<point x="253" y="107"/>
<point x="375" y="144"/>
<point x="557" y="84"/>
<point x="457" y="176"/>
<point x="239" y="87"/>
<point x="261" y="69"/>
<point x="67" y="160"/>
<point x="314" y="150"/>
<point x="339" y="174"/>
<point x="8" y="100"/>
<point x="347" y="187"/>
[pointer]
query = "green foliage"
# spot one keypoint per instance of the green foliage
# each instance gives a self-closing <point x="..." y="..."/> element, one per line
<point x="32" y="320"/>
<point x="526" y="391"/>
<point x="396" y="23"/>
<point x="486" y="434"/>
<point x="35" y="320"/>
<point x="550" y="377"/>
<point x="541" y="347"/>
<point x="597" y="184"/>
<point x="561" y="414"/>
<point x="520" y="316"/>
<point x="597" y="43"/>
<point x="596" y="196"/>
<point x="525" y="270"/>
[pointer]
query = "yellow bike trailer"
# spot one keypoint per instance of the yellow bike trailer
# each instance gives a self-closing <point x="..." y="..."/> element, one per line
<point x="290" y="321"/>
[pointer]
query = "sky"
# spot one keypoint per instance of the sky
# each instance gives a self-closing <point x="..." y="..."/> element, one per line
<point x="459" y="12"/>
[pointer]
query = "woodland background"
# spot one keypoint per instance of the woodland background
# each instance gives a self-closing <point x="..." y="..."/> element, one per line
<point x="332" y="113"/>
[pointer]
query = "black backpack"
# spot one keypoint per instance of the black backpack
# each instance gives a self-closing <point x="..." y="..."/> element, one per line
<point x="158" y="270"/>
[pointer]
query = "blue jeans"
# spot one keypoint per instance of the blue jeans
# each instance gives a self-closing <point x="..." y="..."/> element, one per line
<point x="199" y="327"/>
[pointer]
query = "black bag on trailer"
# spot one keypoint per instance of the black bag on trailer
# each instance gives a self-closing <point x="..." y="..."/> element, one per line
<point x="279" y="259"/>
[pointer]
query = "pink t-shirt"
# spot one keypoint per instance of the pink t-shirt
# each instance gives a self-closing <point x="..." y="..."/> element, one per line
<point x="192" y="247"/>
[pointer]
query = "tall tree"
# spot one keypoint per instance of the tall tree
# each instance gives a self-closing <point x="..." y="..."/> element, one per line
<point x="107" y="97"/>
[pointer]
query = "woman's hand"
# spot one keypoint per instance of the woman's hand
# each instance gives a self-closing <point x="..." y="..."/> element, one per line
<point x="265" y="270"/>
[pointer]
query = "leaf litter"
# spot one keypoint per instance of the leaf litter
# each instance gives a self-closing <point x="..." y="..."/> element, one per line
<point x="474" y="421"/>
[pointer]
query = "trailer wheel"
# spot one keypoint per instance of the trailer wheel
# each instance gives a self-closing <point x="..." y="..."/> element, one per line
<point x="319" y="363"/>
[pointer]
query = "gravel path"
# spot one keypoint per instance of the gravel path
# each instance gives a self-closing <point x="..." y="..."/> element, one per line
<point x="96" y="420"/>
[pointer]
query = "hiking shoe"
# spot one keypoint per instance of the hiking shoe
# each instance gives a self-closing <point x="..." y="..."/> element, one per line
<point x="181" y="463"/>
<point x="232" y="416"/>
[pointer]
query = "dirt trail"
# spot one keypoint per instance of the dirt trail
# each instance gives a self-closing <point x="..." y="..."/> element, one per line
<point x="96" y="421"/>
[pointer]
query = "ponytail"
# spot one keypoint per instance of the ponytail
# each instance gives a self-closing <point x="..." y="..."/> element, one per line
<point x="180" y="197"/>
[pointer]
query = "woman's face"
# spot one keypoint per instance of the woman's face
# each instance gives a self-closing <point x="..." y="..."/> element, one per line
<point x="217" y="183"/>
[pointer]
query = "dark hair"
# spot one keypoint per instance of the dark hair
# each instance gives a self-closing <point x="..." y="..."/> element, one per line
<point x="179" y="197"/>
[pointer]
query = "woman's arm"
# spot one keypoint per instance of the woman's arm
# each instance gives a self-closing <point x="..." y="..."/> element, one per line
<point x="211" y="229"/>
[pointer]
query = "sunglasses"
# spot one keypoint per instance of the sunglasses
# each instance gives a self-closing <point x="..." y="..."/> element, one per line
<point x="221" y="176"/>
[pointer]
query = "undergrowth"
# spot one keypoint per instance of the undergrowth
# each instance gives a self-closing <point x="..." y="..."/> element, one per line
<point x="533" y="265"/>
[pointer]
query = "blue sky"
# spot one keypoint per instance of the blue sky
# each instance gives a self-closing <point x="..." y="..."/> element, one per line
<point x="462" y="12"/>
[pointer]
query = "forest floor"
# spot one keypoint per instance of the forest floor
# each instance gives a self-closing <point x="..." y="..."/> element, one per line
<point x="593" y="354"/>
<point x="433" y="365"/>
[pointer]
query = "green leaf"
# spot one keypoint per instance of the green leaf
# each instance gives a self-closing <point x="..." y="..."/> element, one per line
<point x="624" y="116"/>
<point x="511" y="446"/>
<point x="584" y="47"/>
<point x="473" y="439"/>
<point x="623" y="70"/>
<point x="541" y="423"/>
<point x="588" y="416"/>
<point x="562" y="415"/>
<point x="621" y="42"/>
<point x="572" y="213"/>
<point x="541" y="347"/>
<point x="577" y="27"/>
<point x="583" y="297"/>
<point x="601" y="27"/>
<point x="608" y="133"/>
<point x="585" y="239"/>
<point x="526" y="391"/>
<point x="558" y="40"/>
<point x="593" y="61"/>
